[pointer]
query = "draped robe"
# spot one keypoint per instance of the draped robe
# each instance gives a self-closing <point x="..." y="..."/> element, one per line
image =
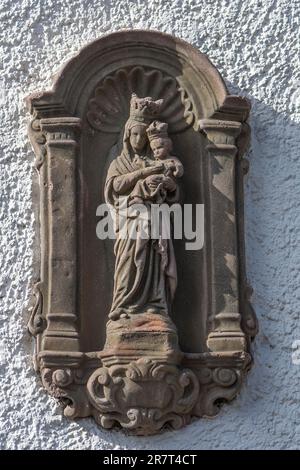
<point x="145" y="276"/>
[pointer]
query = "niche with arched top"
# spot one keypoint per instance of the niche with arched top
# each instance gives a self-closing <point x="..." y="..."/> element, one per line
<point x="76" y="131"/>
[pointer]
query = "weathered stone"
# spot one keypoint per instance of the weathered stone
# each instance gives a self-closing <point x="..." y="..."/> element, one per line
<point x="77" y="134"/>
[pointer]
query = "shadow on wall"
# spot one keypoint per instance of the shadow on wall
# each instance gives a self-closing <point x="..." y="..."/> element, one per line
<point x="272" y="211"/>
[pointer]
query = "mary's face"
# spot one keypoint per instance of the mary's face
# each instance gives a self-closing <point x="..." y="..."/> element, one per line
<point x="138" y="138"/>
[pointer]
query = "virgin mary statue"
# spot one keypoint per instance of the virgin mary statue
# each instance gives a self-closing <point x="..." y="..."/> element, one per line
<point x="145" y="269"/>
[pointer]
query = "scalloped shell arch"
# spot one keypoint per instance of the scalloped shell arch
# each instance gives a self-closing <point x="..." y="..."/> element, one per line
<point x="108" y="109"/>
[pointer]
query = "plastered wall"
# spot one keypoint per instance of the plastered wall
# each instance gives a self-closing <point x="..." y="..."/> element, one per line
<point x="255" y="46"/>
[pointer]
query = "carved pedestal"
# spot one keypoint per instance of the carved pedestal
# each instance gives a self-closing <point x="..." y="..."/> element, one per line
<point x="141" y="335"/>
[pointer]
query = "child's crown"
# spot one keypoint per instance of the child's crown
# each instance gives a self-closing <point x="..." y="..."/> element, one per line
<point x="157" y="130"/>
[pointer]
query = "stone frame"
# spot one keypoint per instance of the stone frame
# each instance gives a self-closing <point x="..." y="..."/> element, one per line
<point x="57" y="125"/>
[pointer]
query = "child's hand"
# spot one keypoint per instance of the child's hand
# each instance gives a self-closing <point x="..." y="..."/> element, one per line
<point x="178" y="171"/>
<point x="170" y="166"/>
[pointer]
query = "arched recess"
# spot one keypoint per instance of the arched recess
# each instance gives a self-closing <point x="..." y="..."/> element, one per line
<point x="75" y="132"/>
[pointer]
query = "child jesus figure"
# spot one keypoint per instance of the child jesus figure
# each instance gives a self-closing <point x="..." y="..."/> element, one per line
<point x="156" y="188"/>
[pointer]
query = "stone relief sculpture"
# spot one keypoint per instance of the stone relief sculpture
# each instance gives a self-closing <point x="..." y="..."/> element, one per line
<point x="138" y="331"/>
<point x="152" y="281"/>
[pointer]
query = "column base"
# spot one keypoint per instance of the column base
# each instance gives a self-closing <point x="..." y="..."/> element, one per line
<point x="227" y="334"/>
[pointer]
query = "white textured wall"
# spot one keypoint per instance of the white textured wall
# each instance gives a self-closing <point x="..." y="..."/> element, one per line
<point x="255" y="45"/>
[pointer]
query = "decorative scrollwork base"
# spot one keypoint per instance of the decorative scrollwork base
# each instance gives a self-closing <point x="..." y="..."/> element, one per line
<point x="220" y="378"/>
<point x="143" y="396"/>
<point x="68" y="386"/>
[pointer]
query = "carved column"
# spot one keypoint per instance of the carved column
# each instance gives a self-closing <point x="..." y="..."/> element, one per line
<point x="62" y="135"/>
<point x="226" y="334"/>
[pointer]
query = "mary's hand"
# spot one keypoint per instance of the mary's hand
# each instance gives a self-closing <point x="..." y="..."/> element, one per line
<point x="153" y="169"/>
<point x="154" y="180"/>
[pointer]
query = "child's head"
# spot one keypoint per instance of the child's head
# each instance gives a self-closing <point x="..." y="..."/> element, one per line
<point x="161" y="147"/>
<point x="160" y="143"/>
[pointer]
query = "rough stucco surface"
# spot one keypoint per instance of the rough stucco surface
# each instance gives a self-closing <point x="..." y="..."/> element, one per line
<point x="255" y="45"/>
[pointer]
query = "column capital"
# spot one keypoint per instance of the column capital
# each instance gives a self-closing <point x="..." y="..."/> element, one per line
<point x="61" y="129"/>
<point x="221" y="132"/>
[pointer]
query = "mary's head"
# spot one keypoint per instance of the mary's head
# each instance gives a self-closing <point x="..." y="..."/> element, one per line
<point x="142" y="112"/>
<point x="138" y="137"/>
<point x="135" y="137"/>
